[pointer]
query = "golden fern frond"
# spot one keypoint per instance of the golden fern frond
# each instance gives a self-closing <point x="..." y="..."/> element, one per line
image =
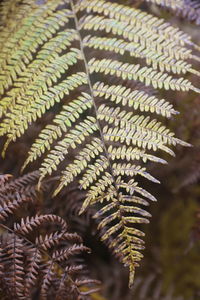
<point x="132" y="153"/>
<point x="62" y="121"/>
<point x="53" y="66"/>
<point x="157" y="60"/>
<point x="15" y="64"/>
<point x="33" y="73"/>
<point x="14" y="126"/>
<point x="81" y="161"/>
<point x="135" y="17"/>
<point x="136" y="72"/>
<point x="50" y="75"/>
<point x="137" y="123"/>
<point x="75" y="136"/>
<point x="136" y="99"/>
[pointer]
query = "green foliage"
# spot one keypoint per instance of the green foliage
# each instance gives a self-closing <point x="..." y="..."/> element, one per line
<point x="114" y="128"/>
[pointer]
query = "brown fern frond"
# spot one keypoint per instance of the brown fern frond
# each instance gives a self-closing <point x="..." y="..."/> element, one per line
<point x="38" y="253"/>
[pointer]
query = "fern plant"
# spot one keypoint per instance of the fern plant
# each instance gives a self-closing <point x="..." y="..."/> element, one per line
<point x="38" y="254"/>
<point x="94" y="64"/>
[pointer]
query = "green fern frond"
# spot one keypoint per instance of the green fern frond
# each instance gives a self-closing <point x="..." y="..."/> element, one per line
<point x="47" y="61"/>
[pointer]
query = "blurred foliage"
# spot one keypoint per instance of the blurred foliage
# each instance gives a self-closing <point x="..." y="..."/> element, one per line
<point x="179" y="261"/>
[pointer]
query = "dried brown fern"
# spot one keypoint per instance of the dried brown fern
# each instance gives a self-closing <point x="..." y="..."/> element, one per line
<point x="38" y="253"/>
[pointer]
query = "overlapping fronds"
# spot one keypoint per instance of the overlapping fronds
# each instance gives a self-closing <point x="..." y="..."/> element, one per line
<point x="60" y="63"/>
<point x="36" y="252"/>
<point x="189" y="9"/>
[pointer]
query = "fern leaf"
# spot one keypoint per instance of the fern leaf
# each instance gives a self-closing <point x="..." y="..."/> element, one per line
<point x="81" y="162"/>
<point x="132" y="170"/>
<point x="15" y="65"/>
<point x="94" y="171"/>
<point x="135" y="99"/>
<point x="15" y="257"/>
<point x="156" y="60"/>
<point x="135" y="72"/>
<point x="132" y="153"/>
<point x="62" y="121"/>
<point x="136" y="17"/>
<point x="74" y="137"/>
<point x="36" y="109"/>
<point x="47" y="55"/>
<point x="34" y="258"/>
<point x="49" y="76"/>
<point x="51" y="64"/>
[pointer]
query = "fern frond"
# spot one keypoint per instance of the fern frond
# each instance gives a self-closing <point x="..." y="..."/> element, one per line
<point x="29" y="224"/>
<point x="94" y="171"/>
<point x="133" y="137"/>
<point x="32" y="260"/>
<point x="50" y="64"/>
<point x="14" y="64"/>
<point x="157" y="60"/>
<point x="136" y="123"/>
<point x="62" y="121"/>
<point x="37" y="107"/>
<point x="135" y="72"/>
<point x="24" y="14"/>
<point x="134" y="99"/>
<point x="35" y="70"/>
<point x="7" y="208"/>
<point x="132" y="170"/>
<point x="132" y="153"/>
<point x="28" y="103"/>
<point x="134" y="34"/>
<point x="81" y="161"/>
<point x="14" y="256"/>
<point x="135" y="17"/>
<point x="73" y="137"/>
